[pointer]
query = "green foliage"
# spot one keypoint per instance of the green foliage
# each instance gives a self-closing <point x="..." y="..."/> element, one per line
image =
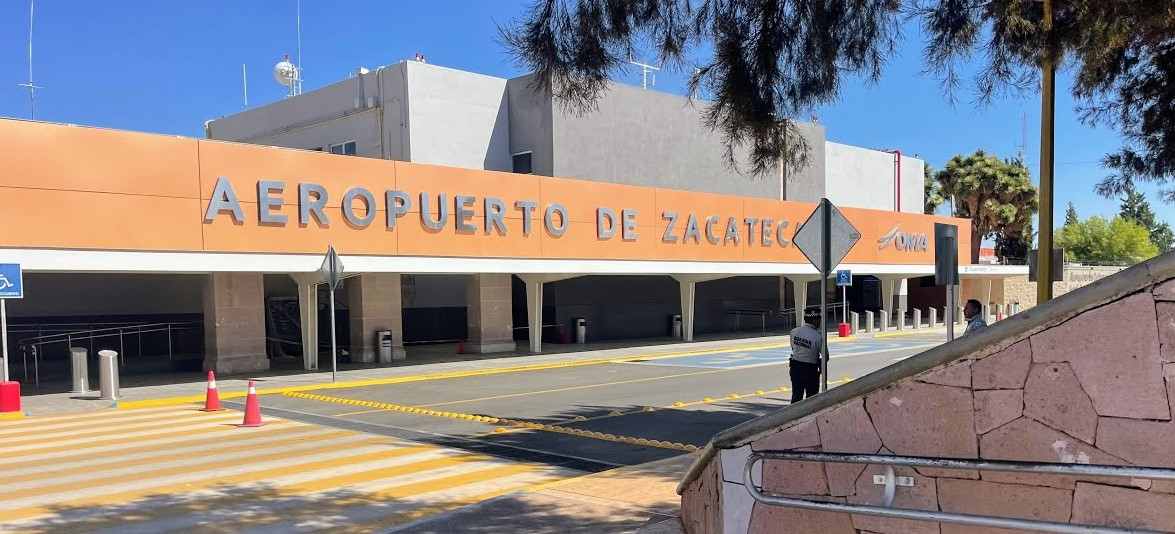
<point x="995" y="194"/>
<point x="932" y="192"/>
<point x="1097" y="240"/>
<point x="1135" y="207"/>
<point x="1071" y="215"/>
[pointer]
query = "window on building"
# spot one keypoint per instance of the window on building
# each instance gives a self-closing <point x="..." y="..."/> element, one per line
<point x="347" y="149"/>
<point x="522" y="163"/>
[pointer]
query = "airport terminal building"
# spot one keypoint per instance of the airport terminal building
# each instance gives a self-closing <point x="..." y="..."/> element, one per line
<point x="471" y="214"/>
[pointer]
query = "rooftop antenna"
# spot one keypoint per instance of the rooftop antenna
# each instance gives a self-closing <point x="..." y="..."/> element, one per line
<point x="245" y="84"/>
<point x="646" y="69"/>
<point x="1023" y="137"/>
<point x="299" y="80"/>
<point x="30" y="85"/>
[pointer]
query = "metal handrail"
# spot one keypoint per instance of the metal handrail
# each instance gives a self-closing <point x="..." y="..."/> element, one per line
<point x="946" y="463"/>
<point x="34" y="344"/>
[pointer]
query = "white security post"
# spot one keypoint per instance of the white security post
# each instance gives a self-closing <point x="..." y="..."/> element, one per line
<point x="868" y="321"/>
<point x="917" y="318"/>
<point x="933" y="317"/>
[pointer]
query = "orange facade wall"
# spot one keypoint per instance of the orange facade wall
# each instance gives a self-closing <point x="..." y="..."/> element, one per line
<point x="85" y="188"/>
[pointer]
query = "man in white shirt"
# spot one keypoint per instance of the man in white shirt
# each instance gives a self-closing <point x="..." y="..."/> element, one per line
<point x="973" y="312"/>
<point x="804" y="367"/>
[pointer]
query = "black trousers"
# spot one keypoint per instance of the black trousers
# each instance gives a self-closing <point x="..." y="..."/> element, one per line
<point x="805" y="380"/>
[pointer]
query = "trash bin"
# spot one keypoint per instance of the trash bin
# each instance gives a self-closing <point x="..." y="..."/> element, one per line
<point x="580" y="330"/>
<point x="383" y="340"/>
<point x="108" y="374"/>
<point x="675" y="326"/>
<point x="79" y="369"/>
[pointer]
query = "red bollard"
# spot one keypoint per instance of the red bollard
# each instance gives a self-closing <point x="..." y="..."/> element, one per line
<point x="843" y="330"/>
<point x="10" y="399"/>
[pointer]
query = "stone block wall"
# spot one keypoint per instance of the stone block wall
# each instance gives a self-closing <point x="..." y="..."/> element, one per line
<point x="1076" y="276"/>
<point x="1098" y="387"/>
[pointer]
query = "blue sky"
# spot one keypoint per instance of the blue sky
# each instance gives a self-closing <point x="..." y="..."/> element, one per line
<point x="169" y="66"/>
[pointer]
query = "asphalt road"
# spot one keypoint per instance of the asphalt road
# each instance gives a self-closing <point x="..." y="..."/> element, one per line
<point x="684" y="399"/>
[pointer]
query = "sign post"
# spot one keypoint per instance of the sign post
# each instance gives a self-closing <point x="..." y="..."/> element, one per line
<point x="825" y="238"/>
<point x="332" y="273"/>
<point x="946" y="269"/>
<point x="844" y="279"/>
<point x="11" y="287"/>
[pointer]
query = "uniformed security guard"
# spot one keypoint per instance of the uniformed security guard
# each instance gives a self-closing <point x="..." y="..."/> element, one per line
<point x="805" y="358"/>
<point x="973" y="312"/>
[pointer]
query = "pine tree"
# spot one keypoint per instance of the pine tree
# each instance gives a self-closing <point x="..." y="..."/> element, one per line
<point x="1136" y="208"/>
<point x="1071" y="215"/>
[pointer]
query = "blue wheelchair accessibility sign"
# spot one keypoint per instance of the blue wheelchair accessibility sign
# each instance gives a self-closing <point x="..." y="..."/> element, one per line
<point x="844" y="278"/>
<point x="11" y="283"/>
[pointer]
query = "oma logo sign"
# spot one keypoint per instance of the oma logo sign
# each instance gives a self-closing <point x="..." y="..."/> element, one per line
<point x="903" y="241"/>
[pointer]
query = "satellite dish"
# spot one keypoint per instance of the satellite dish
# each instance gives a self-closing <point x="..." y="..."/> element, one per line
<point x="285" y="72"/>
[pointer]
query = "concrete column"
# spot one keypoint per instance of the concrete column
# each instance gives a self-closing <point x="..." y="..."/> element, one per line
<point x="374" y="303"/>
<point x="917" y="318"/>
<point x="689" y="289"/>
<point x="800" y="294"/>
<point x="491" y="313"/>
<point x="534" y="304"/>
<point x="887" y="292"/>
<point x="234" y="323"/>
<point x="308" y="313"/>
<point x="534" y="313"/>
<point x="868" y="321"/>
<point x="688" y="285"/>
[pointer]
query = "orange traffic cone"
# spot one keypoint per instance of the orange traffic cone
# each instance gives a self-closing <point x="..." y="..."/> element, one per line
<point x="252" y="408"/>
<point x="211" y="396"/>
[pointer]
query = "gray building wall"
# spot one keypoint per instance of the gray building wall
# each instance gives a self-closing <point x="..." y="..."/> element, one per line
<point x="457" y="118"/>
<point x="650" y="138"/>
<point x="530" y="123"/>
<point x="864" y="178"/>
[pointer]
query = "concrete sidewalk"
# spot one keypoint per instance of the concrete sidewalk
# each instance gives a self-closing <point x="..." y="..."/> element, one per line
<point x="640" y="498"/>
<point x="190" y="388"/>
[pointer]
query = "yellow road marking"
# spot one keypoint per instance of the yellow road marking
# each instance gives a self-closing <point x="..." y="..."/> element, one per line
<point x="121" y="498"/>
<point x="42" y="420"/>
<point x="128" y="458"/>
<point x="210" y="465"/>
<point x="348" y="384"/>
<point x="112" y="427"/>
<point x="267" y="430"/>
<point x="573" y="388"/>
<point x="518" y="423"/>
<point x="133" y="439"/>
<point x="194" y="399"/>
<point x="82" y="422"/>
<point x="11" y="416"/>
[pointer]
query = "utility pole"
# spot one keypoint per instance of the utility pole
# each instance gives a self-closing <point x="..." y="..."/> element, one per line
<point x="1048" y="67"/>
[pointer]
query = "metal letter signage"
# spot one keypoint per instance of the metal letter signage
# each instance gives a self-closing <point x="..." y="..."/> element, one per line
<point x="903" y="241"/>
<point x="439" y="212"/>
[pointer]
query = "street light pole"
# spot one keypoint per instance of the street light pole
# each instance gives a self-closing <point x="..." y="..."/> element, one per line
<point x="1044" y="255"/>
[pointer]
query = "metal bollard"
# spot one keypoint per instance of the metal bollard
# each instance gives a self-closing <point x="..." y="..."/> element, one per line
<point x="855" y="320"/>
<point x="933" y="317"/>
<point x="108" y="375"/>
<point x="917" y="318"/>
<point x="868" y="321"/>
<point x="901" y="318"/>
<point x="79" y="369"/>
<point x="959" y="318"/>
<point x="884" y="320"/>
